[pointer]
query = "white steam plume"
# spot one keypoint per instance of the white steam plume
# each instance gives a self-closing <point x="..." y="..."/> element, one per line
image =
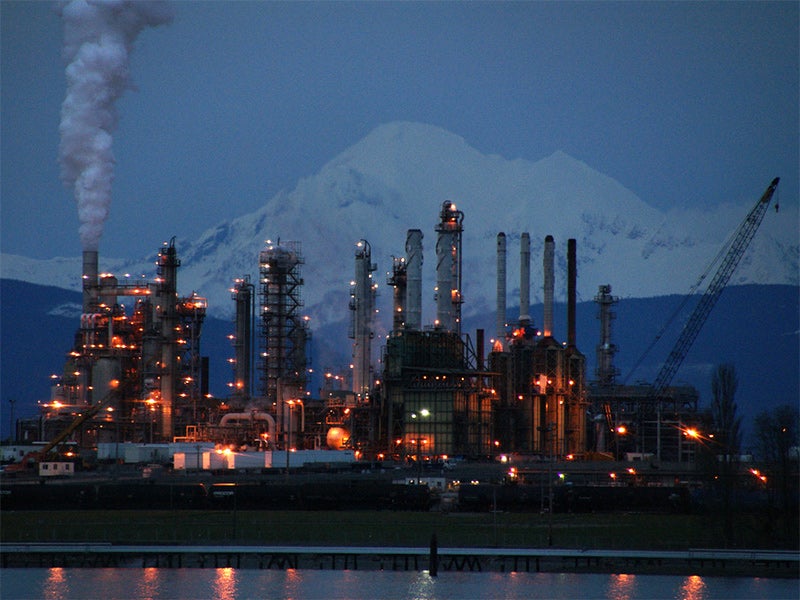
<point x="98" y="39"/>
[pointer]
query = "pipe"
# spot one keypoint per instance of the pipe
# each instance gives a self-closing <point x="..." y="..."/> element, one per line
<point x="414" y="279"/>
<point x="572" y="279"/>
<point x="251" y="416"/>
<point x="549" y="276"/>
<point x="525" y="279"/>
<point x="501" y="286"/>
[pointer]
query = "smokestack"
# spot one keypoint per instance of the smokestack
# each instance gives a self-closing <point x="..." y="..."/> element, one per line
<point x="572" y="279"/>
<point x="414" y="279"/>
<point x="90" y="282"/>
<point x="549" y="253"/>
<point x="501" y="286"/>
<point x="525" y="279"/>
<point x="98" y="39"/>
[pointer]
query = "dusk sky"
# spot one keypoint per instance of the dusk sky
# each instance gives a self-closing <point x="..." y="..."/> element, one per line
<point x="684" y="103"/>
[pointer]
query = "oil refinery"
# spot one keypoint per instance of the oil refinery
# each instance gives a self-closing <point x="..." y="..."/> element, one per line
<point x="136" y="374"/>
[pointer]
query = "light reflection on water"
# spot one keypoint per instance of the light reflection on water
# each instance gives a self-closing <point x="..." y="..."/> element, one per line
<point x="292" y="584"/>
<point x="621" y="587"/>
<point x="55" y="587"/>
<point x="693" y="588"/>
<point x="147" y="587"/>
<point x="225" y="584"/>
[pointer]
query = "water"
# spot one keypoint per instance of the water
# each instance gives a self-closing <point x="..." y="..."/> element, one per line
<point x="235" y="584"/>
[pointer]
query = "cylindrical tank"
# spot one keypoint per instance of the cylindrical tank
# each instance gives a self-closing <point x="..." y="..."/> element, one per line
<point x="105" y="371"/>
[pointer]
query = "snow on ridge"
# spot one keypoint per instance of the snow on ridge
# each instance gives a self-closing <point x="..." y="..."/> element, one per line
<point x="397" y="177"/>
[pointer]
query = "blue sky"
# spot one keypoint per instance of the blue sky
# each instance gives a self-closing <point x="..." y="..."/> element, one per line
<point x="683" y="103"/>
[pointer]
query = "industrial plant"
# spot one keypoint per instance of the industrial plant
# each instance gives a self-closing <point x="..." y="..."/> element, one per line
<point x="136" y="376"/>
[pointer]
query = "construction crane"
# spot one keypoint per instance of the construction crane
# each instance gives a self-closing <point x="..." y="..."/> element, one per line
<point x="735" y="250"/>
<point x="37" y="456"/>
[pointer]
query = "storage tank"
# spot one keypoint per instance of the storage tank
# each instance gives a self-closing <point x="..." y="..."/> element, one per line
<point x="336" y="438"/>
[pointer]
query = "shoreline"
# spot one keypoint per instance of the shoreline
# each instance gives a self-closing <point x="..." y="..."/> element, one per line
<point x="702" y="562"/>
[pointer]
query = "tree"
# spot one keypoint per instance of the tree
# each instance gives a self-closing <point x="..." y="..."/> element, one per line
<point x="727" y="425"/>
<point x="776" y="433"/>
<point x="727" y="431"/>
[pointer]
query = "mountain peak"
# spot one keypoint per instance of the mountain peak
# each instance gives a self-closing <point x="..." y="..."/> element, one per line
<point x="396" y="179"/>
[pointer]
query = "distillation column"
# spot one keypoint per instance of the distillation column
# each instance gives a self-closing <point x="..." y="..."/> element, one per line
<point x="549" y="285"/>
<point x="414" y="280"/>
<point x="362" y="305"/>
<point x="166" y="300"/>
<point x="606" y="371"/>
<point x="244" y="301"/>
<point x="283" y="334"/>
<point x="448" y="268"/>
<point x="398" y="280"/>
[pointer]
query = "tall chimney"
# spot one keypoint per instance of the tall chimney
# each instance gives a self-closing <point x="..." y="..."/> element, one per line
<point x="90" y="283"/>
<point x="572" y="280"/>
<point x="525" y="279"/>
<point x="501" y="286"/>
<point x="549" y="253"/>
<point x="414" y="280"/>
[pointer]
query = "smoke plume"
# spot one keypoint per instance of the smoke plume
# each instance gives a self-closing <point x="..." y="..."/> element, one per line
<point x="98" y="39"/>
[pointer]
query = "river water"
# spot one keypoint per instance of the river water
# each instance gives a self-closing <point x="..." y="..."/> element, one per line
<point x="235" y="584"/>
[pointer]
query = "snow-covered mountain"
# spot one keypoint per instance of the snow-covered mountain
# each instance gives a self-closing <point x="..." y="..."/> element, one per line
<point x="396" y="179"/>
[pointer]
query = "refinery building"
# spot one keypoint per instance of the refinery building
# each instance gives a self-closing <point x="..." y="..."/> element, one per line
<point x="136" y="372"/>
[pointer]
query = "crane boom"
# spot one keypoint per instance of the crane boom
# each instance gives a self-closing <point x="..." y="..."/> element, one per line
<point x="39" y="454"/>
<point x="739" y="244"/>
